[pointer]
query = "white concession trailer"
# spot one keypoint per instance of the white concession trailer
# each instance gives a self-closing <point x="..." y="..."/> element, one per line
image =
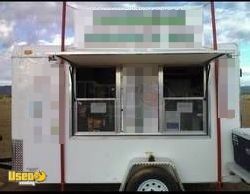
<point x="139" y="102"/>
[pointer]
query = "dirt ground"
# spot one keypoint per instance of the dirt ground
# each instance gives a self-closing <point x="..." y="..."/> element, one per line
<point x="5" y="133"/>
<point x="5" y="126"/>
<point x="245" y="111"/>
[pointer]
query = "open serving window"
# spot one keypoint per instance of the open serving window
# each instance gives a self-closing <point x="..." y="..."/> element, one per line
<point x="183" y="99"/>
<point x="140" y="93"/>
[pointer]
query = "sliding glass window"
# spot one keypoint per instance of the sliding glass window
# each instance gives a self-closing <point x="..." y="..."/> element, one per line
<point x="95" y="99"/>
<point x="183" y="107"/>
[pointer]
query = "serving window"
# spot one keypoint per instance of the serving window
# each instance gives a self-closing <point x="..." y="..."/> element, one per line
<point x="183" y="100"/>
<point x="112" y="100"/>
<point x="140" y="93"/>
<point x="95" y="99"/>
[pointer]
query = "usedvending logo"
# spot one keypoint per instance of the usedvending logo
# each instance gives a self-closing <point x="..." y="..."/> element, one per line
<point x="27" y="178"/>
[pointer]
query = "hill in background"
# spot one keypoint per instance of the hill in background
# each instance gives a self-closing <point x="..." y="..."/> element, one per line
<point x="5" y="90"/>
<point x="245" y="90"/>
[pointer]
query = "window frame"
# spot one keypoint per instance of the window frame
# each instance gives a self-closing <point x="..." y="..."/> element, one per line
<point x="116" y="99"/>
<point x="118" y="131"/>
<point x="162" y="99"/>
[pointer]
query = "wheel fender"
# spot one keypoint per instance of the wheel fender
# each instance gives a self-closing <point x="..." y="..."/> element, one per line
<point x="138" y="164"/>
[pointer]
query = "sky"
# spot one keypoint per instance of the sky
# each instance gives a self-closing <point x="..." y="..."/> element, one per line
<point x="39" y="23"/>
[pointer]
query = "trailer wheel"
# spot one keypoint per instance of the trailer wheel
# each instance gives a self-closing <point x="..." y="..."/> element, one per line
<point x="152" y="179"/>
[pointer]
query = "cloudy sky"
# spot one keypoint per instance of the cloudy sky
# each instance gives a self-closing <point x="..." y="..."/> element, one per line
<point x="40" y="23"/>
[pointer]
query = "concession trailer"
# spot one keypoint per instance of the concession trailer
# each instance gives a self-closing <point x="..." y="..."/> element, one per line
<point x="137" y="100"/>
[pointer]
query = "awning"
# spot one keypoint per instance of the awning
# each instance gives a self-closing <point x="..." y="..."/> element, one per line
<point x="171" y="58"/>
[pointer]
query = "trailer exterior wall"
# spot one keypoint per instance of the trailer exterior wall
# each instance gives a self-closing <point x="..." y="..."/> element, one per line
<point x="105" y="159"/>
<point x="227" y="124"/>
<point x="99" y="159"/>
<point x="35" y="110"/>
<point x="194" y="156"/>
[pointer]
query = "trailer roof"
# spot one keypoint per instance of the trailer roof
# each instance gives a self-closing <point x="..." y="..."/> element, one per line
<point x="174" y="58"/>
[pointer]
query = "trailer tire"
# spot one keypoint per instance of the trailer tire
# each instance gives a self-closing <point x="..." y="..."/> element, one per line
<point x="152" y="179"/>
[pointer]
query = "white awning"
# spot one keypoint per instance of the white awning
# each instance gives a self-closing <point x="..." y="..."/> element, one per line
<point x="171" y="58"/>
